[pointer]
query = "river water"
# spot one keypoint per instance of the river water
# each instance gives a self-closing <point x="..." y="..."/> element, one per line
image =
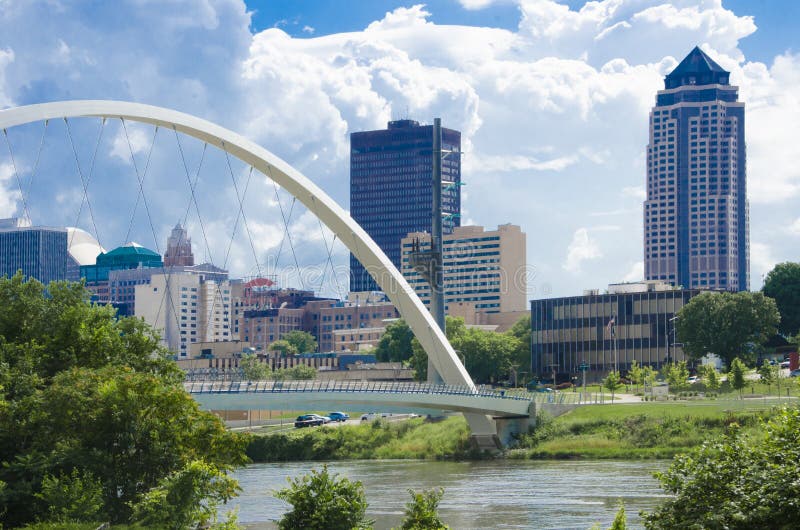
<point x="478" y="495"/>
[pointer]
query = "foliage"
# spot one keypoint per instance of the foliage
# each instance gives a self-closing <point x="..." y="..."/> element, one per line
<point x="395" y="343"/>
<point x="454" y="329"/>
<point x="768" y="373"/>
<point x="253" y="369"/>
<point x="612" y="383"/>
<point x="620" y="520"/>
<point x="185" y="498"/>
<point x="303" y="341"/>
<point x="626" y="431"/>
<point x="648" y="375"/>
<point x="636" y="374"/>
<point x="321" y="501"/>
<point x="415" y="438"/>
<point x="711" y="377"/>
<point x="736" y="375"/>
<point x="422" y="512"/>
<point x="76" y="497"/>
<point x="726" y="324"/>
<point x="521" y="330"/>
<point x="676" y="375"/>
<point x="90" y="399"/>
<point x="783" y="285"/>
<point x="284" y="347"/>
<point x="487" y="355"/>
<point x="735" y="481"/>
<point x="301" y="371"/>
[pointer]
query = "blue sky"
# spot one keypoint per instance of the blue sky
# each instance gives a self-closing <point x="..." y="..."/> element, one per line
<point x="552" y="100"/>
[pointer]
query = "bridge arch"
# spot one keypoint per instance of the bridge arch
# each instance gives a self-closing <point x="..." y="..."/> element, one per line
<point x="317" y="201"/>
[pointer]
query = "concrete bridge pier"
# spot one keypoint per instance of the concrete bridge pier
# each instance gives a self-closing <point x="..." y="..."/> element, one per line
<point x="495" y="434"/>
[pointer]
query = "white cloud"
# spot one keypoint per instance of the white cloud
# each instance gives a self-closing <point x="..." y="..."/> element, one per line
<point x="9" y="193"/>
<point x="6" y="57"/>
<point x="761" y="260"/>
<point x="636" y="273"/>
<point x="580" y="249"/>
<point x="553" y="115"/>
<point x="794" y="228"/>
<point x="634" y="192"/>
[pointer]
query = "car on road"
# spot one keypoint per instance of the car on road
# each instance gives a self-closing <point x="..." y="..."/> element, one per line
<point x="308" y="420"/>
<point x="785" y="364"/>
<point x="375" y="415"/>
<point x="693" y="379"/>
<point x="795" y="373"/>
<point x="339" y="416"/>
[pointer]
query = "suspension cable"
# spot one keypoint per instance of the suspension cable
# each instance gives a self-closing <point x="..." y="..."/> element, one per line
<point x="288" y="235"/>
<point x="38" y="157"/>
<point x="85" y="180"/>
<point x="240" y="198"/>
<point x="17" y="177"/>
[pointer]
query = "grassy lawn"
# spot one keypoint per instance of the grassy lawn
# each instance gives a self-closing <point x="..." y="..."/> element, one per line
<point x="640" y="430"/>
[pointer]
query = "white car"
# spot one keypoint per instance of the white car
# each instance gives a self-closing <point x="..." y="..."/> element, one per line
<point x="693" y="379"/>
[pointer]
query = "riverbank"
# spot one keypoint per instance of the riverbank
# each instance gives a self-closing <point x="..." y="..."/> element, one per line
<point x="622" y="431"/>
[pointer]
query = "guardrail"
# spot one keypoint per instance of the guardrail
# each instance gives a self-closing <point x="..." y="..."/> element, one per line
<point x="384" y="387"/>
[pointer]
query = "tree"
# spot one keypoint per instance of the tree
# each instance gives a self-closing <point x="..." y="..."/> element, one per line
<point x="253" y="369"/>
<point x="736" y="375"/>
<point x="620" y="520"/>
<point x="301" y="371"/>
<point x="91" y="399"/>
<point x="711" y="377"/>
<point x="676" y="375"/>
<point x="71" y="498"/>
<point x="612" y="383"/>
<point x="783" y="285"/>
<point x="185" y="498"/>
<point x="284" y="347"/>
<point x="422" y="512"/>
<point x="521" y="330"/>
<point x="648" y="376"/>
<point x="727" y="324"/>
<point x="487" y="355"/>
<point x="735" y="481"/>
<point x="321" y="501"/>
<point x="395" y="343"/>
<point x="302" y="341"/>
<point x="636" y="374"/>
<point x="768" y="373"/>
<point x="454" y="329"/>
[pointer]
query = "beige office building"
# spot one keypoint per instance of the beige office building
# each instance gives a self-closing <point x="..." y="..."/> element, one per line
<point x="186" y="306"/>
<point x="484" y="268"/>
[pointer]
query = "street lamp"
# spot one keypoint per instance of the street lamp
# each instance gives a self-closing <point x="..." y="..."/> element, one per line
<point x="671" y="330"/>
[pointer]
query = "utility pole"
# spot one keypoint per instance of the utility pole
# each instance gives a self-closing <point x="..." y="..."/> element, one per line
<point x="428" y="263"/>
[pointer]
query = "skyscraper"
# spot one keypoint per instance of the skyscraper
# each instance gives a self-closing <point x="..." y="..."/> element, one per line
<point x="391" y="187"/>
<point x="696" y="232"/>
<point x="179" y="248"/>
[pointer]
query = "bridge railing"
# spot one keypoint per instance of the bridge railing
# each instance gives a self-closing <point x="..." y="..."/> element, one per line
<point x="385" y="387"/>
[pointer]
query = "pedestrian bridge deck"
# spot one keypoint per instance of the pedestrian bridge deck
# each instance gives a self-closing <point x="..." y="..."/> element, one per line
<point x="364" y="395"/>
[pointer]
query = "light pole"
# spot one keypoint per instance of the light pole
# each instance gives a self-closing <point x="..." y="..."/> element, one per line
<point x="671" y="330"/>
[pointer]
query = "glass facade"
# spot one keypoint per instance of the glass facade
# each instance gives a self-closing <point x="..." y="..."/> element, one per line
<point x="40" y="253"/>
<point x="391" y="190"/>
<point x="567" y="332"/>
<point x="696" y="222"/>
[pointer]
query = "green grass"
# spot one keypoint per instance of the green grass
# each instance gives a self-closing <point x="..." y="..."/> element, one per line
<point x="410" y="439"/>
<point x="638" y="430"/>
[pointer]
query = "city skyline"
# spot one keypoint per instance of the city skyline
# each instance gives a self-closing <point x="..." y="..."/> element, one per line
<point x="551" y="99"/>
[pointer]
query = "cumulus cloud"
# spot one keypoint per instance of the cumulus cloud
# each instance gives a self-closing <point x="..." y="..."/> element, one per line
<point x="636" y="273"/>
<point x="580" y="249"/>
<point x="553" y="115"/>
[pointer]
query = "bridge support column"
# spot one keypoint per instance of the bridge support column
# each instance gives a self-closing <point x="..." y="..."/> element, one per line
<point x="495" y="434"/>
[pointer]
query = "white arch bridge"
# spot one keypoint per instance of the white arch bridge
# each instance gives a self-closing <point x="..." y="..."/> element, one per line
<point x="358" y="242"/>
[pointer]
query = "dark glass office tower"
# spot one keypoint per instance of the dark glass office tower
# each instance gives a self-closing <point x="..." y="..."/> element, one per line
<point x="696" y="227"/>
<point x="39" y="252"/>
<point x="391" y="187"/>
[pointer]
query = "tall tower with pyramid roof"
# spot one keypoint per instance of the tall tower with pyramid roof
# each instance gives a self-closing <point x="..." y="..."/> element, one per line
<point x="696" y="226"/>
<point x="179" y="248"/>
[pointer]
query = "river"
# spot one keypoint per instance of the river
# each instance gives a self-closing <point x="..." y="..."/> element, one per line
<point x="478" y="495"/>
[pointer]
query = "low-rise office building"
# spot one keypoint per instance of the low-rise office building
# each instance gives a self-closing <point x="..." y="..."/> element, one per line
<point x="606" y="331"/>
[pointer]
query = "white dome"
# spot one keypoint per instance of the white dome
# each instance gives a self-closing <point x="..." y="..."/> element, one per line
<point x="82" y="246"/>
